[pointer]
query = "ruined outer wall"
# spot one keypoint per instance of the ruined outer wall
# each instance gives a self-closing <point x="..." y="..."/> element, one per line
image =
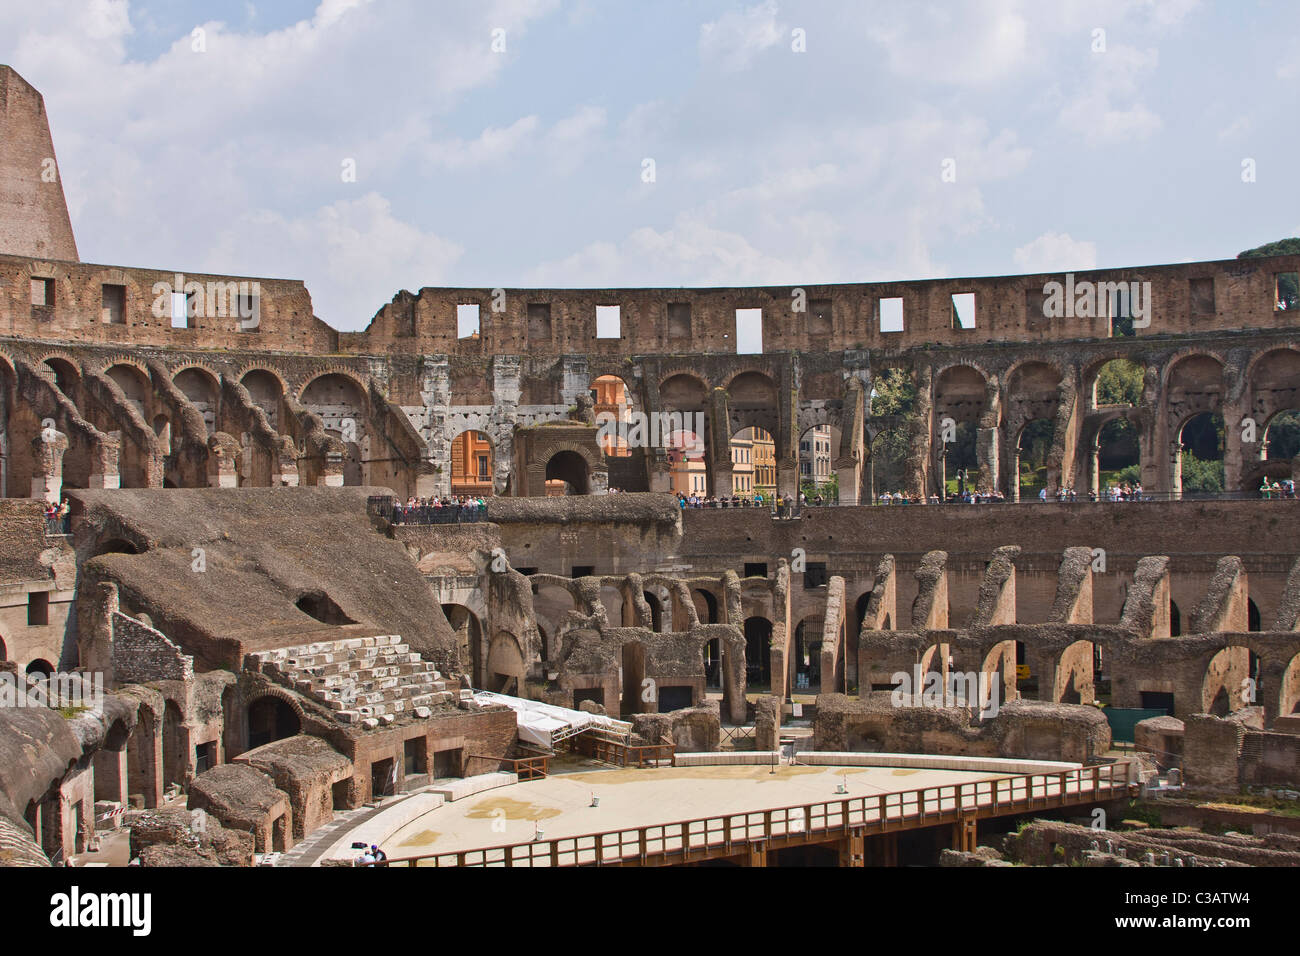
<point x="34" y="217"/>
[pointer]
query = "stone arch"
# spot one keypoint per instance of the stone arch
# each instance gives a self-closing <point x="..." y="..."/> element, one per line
<point x="1289" y="691"/>
<point x="572" y="467"/>
<point x="340" y="401"/>
<point x="1225" y="677"/>
<point x="469" y="634"/>
<point x="203" y="388"/>
<point x="506" y="671"/>
<point x="67" y="373"/>
<point x="271" y="715"/>
<point x="1074" y="682"/>
<point x="266" y="389"/>
<point x="134" y="382"/>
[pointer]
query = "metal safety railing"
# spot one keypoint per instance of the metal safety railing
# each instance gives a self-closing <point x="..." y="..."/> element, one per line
<point x="730" y="834"/>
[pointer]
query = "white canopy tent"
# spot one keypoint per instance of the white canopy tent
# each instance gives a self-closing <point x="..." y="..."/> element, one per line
<point x="545" y="725"/>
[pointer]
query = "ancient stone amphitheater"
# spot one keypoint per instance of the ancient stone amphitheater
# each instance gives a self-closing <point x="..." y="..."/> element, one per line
<point x="284" y="652"/>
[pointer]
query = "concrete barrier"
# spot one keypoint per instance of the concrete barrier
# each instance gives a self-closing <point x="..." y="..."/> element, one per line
<point x="728" y="759"/>
<point x="460" y="789"/>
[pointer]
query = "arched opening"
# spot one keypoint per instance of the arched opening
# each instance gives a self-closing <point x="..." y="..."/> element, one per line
<point x="1225" y="677"/>
<point x="758" y="657"/>
<point x="1175" y="620"/>
<point x="1076" y="674"/>
<point x="66" y="376"/>
<point x="706" y="606"/>
<point x="687" y="395"/>
<point x="505" y="665"/>
<point x="688" y="475"/>
<point x="860" y="611"/>
<point x="40" y="669"/>
<point x="135" y="386"/>
<point x="142" y="758"/>
<point x="4" y="651"/>
<point x="893" y="403"/>
<point x="321" y="606"/>
<point x="818" y="480"/>
<point x="1289" y="692"/>
<point x="1282" y="437"/>
<point x="114" y="546"/>
<point x="341" y="407"/>
<point x="1198" y="468"/>
<point x="270" y="719"/>
<point x="612" y="397"/>
<point x="175" y="746"/>
<point x="656" y="611"/>
<point x="472" y="463"/>
<point x="266" y="392"/>
<point x="1252" y="615"/>
<point x="569" y="471"/>
<point x="1118" y="457"/>
<point x="1033" y="449"/>
<point x="469" y="634"/>
<point x="1118" y="384"/>
<point x="1275" y="404"/>
<point x="202" y="391"/>
<point x="959" y="473"/>
<point x="808" y="654"/>
<point x="960" y="395"/>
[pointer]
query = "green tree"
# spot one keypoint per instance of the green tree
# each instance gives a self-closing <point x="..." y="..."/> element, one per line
<point x="893" y="396"/>
<point x="1120" y="383"/>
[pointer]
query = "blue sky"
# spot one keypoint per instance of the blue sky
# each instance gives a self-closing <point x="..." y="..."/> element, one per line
<point x="771" y="165"/>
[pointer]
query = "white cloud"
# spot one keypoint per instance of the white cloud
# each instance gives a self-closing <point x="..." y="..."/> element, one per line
<point x="738" y="36"/>
<point x="1055" y="252"/>
<point x="1115" y="77"/>
<point x="334" y="247"/>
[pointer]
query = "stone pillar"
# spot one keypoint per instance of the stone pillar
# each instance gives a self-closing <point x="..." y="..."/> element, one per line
<point x="48" y="448"/>
<point x="223" y="455"/>
<point x="105" y="471"/>
<point x="95" y="630"/>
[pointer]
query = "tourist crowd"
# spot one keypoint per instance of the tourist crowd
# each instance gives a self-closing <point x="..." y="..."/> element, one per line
<point x="444" y="509"/>
<point x="56" y="518"/>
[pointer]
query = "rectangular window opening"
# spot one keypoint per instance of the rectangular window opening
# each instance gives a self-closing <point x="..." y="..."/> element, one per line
<point x="43" y="293"/>
<point x="891" y="315"/>
<point x="679" y="320"/>
<point x="814" y="575"/>
<point x="180" y="310"/>
<point x="249" y="313"/>
<point x="1287" y="290"/>
<point x="1121" y="315"/>
<point x="539" y="323"/>
<point x="749" y="331"/>
<point x="755" y="569"/>
<point x="38" y="608"/>
<point x="1202" y="296"/>
<point x="467" y="321"/>
<point x="113" y="304"/>
<point x="963" y="310"/>
<point x="609" y="322"/>
<point x="819" y="317"/>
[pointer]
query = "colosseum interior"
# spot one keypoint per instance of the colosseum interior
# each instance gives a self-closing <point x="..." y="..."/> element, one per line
<point x="292" y="651"/>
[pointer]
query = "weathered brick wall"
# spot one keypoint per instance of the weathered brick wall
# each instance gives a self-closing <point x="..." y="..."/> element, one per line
<point x="142" y="654"/>
<point x="33" y="213"/>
